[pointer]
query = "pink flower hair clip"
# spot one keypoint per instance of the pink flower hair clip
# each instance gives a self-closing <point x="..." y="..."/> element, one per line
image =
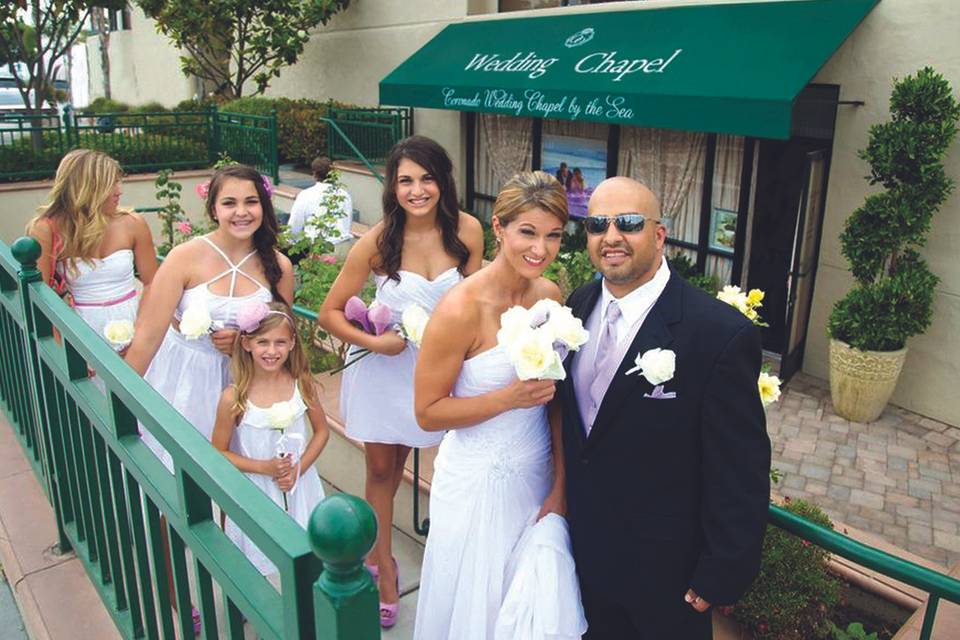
<point x="250" y="315"/>
<point x="267" y="185"/>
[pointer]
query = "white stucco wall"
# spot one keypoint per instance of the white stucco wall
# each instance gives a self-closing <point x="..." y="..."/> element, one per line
<point x="144" y="66"/>
<point x="895" y="40"/>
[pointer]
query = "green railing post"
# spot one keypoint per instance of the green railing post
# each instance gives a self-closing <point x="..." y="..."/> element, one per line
<point x="27" y="251"/>
<point x="213" y="138"/>
<point x="342" y="530"/>
<point x="274" y="150"/>
<point x="68" y="126"/>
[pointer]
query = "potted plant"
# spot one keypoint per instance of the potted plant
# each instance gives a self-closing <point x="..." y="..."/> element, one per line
<point x="892" y="298"/>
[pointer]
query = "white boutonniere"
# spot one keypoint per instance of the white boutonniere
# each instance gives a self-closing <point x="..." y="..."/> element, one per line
<point x="656" y="365"/>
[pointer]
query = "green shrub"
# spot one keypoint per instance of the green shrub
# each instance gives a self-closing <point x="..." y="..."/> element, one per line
<point x="149" y="107"/>
<point x="792" y="597"/>
<point x="571" y="270"/>
<point x="301" y="135"/>
<point x="684" y="267"/>
<point x="854" y="631"/>
<point x="105" y="105"/>
<point x="893" y="296"/>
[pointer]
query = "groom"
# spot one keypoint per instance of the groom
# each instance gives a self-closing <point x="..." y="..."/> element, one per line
<point x="667" y="457"/>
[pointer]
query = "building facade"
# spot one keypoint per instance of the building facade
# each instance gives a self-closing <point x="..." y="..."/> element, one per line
<point x="752" y="210"/>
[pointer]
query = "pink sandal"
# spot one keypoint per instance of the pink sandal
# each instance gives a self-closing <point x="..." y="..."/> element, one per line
<point x="388" y="612"/>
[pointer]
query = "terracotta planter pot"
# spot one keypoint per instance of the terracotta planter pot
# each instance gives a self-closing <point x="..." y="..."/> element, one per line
<point x="861" y="382"/>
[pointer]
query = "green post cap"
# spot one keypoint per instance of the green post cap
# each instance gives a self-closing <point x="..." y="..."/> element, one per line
<point x="27" y="251"/>
<point x="342" y="529"/>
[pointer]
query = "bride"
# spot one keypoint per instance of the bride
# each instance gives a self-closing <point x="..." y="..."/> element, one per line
<point x="500" y="466"/>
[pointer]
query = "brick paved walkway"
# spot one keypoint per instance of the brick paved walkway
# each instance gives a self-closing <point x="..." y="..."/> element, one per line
<point x="898" y="477"/>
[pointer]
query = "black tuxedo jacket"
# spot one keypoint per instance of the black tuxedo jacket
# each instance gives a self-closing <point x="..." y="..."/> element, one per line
<point x="670" y="494"/>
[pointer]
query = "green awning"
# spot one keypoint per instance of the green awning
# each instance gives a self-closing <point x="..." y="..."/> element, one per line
<point x="726" y="68"/>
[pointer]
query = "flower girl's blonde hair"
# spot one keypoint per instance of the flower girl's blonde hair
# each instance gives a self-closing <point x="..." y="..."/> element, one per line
<point x="242" y="367"/>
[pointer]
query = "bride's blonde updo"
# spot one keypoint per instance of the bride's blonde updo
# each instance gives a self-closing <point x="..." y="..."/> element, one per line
<point x="529" y="190"/>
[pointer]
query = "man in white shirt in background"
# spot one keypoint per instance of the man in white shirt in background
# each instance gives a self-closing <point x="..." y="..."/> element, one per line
<point x="308" y="202"/>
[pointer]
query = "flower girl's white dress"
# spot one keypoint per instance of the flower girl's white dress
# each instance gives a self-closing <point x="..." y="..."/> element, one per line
<point x="489" y="483"/>
<point x="191" y="374"/>
<point x="254" y="438"/>
<point x="376" y="394"/>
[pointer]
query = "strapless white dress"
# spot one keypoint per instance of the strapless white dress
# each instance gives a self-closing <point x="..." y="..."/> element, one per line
<point x="191" y="374"/>
<point x="254" y="438"/>
<point x="103" y="289"/>
<point x="489" y="483"/>
<point x="376" y="393"/>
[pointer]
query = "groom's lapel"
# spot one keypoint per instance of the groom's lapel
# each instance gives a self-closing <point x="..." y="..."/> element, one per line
<point x="581" y="310"/>
<point x="653" y="333"/>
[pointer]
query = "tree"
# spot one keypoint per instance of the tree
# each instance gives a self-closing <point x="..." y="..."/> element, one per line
<point x="230" y="42"/>
<point x="35" y="35"/>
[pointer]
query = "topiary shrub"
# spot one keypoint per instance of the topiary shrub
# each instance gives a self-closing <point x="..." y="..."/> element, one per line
<point x="792" y="597"/>
<point x="893" y="296"/>
<point x="105" y="105"/>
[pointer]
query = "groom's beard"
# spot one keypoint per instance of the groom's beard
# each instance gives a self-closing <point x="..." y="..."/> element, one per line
<point x="634" y="268"/>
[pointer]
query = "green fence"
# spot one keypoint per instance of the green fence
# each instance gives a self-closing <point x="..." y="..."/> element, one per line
<point x="127" y="517"/>
<point x="32" y="146"/>
<point x="372" y="131"/>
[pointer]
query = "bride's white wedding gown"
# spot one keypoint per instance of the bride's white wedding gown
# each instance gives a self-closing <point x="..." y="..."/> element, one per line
<point x="489" y="482"/>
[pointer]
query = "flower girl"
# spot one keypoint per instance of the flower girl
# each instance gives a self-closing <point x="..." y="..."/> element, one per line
<point x="262" y="418"/>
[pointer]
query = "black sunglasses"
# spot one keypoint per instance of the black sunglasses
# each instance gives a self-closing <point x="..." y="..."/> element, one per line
<point x="624" y="222"/>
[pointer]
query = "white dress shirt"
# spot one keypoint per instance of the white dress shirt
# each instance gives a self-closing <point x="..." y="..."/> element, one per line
<point x="634" y="307"/>
<point x="305" y="207"/>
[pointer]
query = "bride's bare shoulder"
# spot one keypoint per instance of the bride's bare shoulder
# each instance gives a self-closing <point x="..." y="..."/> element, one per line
<point x="545" y="288"/>
<point x="459" y="304"/>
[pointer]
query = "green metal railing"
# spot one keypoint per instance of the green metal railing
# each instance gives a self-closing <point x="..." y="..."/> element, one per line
<point x="143" y="142"/>
<point x="372" y="132"/>
<point x="127" y="517"/>
<point x="31" y="146"/>
<point x="938" y="585"/>
<point x="249" y="139"/>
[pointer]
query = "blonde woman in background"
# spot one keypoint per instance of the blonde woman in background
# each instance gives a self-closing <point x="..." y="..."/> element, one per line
<point x="89" y="245"/>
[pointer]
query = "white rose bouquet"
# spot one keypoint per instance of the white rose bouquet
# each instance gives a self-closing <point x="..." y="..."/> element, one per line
<point x="195" y="321"/>
<point x="119" y="333"/>
<point x="539" y="338"/>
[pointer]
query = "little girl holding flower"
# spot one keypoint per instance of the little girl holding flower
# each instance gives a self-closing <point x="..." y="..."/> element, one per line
<point x="261" y="424"/>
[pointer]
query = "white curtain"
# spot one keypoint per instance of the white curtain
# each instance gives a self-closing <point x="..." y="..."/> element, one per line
<point x="671" y="164"/>
<point x="504" y="148"/>
<point x="727" y="170"/>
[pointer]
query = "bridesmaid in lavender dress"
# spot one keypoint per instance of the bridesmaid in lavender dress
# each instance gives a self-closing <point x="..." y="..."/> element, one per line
<point x="423" y="246"/>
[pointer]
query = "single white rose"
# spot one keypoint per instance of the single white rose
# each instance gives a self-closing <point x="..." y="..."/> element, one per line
<point x="769" y="388"/>
<point x="280" y="415"/>
<point x="118" y="333"/>
<point x="414" y="322"/>
<point x="513" y="322"/>
<point x="195" y="321"/>
<point x="534" y="358"/>
<point x="656" y="365"/>
<point x="567" y="328"/>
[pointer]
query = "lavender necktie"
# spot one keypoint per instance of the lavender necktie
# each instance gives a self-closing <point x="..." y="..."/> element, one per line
<point x="605" y="364"/>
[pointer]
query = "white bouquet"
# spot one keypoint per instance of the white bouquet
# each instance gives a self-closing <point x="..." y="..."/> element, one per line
<point x="119" y="333"/>
<point x="414" y="321"/>
<point x="539" y="338"/>
<point x="195" y="321"/>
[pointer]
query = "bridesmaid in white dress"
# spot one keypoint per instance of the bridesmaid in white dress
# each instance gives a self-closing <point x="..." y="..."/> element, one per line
<point x="423" y="246"/>
<point x="89" y="246"/>
<point x="236" y="263"/>
<point x="500" y="467"/>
